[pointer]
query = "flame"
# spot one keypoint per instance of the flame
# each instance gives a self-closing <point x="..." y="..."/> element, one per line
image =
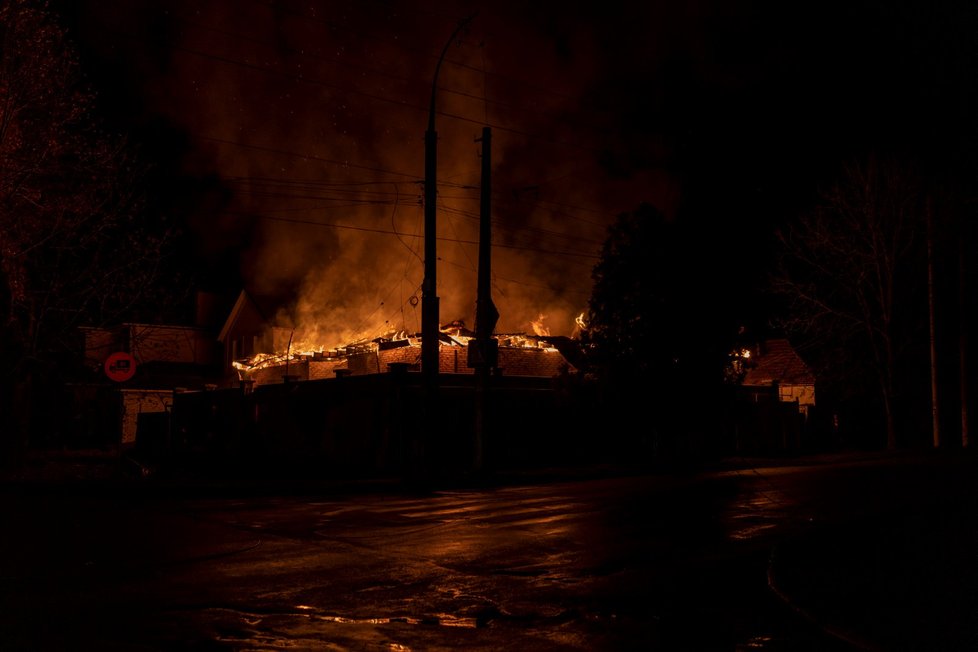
<point x="538" y="326"/>
<point x="297" y="350"/>
<point x="455" y="334"/>
<point x="581" y="322"/>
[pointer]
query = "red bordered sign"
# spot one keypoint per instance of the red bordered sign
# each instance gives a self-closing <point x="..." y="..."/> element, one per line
<point x="120" y="366"/>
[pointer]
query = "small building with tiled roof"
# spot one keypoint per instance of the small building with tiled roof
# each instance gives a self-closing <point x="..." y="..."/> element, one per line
<point x="775" y="363"/>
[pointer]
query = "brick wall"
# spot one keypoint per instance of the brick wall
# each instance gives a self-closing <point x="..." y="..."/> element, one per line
<point x="274" y="373"/>
<point x="451" y="359"/>
<point x="362" y="364"/>
<point x="531" y="362"/>
<point x="454" y="359"/>
<point x="513" y="361"/>
<point x="409" y="355"/>
<point x="319" y="369"/>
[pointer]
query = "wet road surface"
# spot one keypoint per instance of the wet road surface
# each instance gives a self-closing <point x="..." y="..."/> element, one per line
<point x="849" y="553"/>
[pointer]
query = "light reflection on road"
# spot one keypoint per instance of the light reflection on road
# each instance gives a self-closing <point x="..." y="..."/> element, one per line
<point x="646" y="562"/>
<point x="457" y="559"/>
<point x="758" y="508"/>
<point x="520" y="556"/>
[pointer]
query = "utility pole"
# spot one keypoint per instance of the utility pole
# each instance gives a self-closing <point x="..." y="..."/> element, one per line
<point x="430" y="326"/>
<point x="962" y="338"/>
<point x="483" y="351"/>
<point x="935" y="412"/>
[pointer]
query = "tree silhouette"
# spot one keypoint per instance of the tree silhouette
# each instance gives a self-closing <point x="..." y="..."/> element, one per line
<point x="656" y="333"/>
<point x="77" y="244"/>
<point x="845" y="270"/>
<point x="628" y="326"/>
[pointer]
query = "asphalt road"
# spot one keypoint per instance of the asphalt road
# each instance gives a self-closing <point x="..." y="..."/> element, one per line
<point x="851" y="552"/>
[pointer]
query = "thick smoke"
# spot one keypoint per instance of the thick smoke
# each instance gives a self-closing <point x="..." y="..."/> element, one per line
<point x="313" y="116"/>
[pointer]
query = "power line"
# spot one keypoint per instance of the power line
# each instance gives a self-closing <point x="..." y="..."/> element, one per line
<point x="352" y="203"/>
<point x="512" y="281"/>
<point x="377" y="202"/>
<point x="301" y="78"/>
<point x="521" y="229"/>
<point x="447" y="209"/>
<point x="573" y="254"/>
<point x="536" y="86"/>
<point x="380" y="98"/>
<point x="347" y="164"/>
<point x="311" y="157"/>
<point x="541" y="204"/>
<point x="377" y="71"/>
<point x="564" y="205"/>
<point x="400" y="103"/>
<point x="465" y="253"/>
<point x="394" y="229"/>
<point x="535" y="286"/>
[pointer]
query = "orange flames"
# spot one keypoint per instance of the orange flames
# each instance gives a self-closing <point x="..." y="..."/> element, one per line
<point x="454" y="334"/>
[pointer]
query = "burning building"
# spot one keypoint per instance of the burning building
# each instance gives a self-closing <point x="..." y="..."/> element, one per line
<point x="519" y="355"/>
<point x="259" y="352"/>
<point x="358" y="407"/>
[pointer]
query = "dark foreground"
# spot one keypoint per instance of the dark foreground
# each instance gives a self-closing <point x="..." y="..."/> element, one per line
<point x="840" y="553"/>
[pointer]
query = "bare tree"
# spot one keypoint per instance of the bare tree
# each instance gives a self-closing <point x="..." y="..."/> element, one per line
<point x="77" y="245"/>
<point x="842" y="267"/>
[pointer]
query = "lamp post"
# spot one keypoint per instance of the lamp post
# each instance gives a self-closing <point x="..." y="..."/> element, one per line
<point x="430" y="331"/>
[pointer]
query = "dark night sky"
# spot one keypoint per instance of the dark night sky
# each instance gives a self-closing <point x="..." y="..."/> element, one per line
<point x="267" y="116"/>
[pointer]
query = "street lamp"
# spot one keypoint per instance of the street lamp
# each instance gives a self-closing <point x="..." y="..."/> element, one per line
<point x="430" y="331"/>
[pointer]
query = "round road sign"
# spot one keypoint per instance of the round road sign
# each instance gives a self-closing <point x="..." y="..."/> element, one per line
<point x="120" y="366"/>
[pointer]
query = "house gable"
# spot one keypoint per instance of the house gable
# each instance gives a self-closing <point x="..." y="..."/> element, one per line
<point x="776" y="362"/>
